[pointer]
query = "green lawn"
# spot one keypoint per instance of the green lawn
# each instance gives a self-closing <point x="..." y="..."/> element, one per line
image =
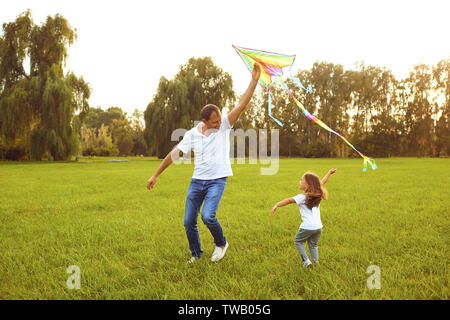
<point x="130" y="243"/>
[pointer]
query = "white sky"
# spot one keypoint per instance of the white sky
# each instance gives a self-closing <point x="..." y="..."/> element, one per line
<point x="124" y="47"/>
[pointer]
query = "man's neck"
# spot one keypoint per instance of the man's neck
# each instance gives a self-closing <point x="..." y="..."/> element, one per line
<point x="205" y="131"/>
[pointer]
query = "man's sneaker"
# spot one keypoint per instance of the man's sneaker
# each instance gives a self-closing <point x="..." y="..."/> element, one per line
<point x="219" y="253"/>
<point x="307" y="264"/>
<point x="193" y="259"/>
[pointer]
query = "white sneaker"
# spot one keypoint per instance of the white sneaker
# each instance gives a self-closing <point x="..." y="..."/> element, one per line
<point x="307" y="264"/>
<point x="219" y="253"/>
<point x="193" y="259"/>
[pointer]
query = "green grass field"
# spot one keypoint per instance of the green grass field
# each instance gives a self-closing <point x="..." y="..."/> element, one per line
<point x="130" y="243"/>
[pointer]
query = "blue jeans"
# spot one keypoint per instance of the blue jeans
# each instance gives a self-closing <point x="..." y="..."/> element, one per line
<point x="209" y="191"/>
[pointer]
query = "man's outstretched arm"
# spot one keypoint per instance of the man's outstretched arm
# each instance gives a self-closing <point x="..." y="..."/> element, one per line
<point x="171" y="156"/>
<point x="234" y="114"/>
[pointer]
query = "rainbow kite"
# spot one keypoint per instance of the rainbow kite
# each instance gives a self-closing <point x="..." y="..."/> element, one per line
<point x="272" y="64"/>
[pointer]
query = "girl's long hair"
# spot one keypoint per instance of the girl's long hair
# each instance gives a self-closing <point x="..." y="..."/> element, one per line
<point x="315" y="191"/>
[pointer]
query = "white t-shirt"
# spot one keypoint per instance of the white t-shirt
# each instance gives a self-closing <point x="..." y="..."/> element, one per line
<point x="310" y="217"/>
<point x="211" y="153"/>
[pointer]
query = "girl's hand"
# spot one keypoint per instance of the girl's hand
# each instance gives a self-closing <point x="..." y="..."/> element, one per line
<point x="274" y="209"/>
<point x="332" y="171"/>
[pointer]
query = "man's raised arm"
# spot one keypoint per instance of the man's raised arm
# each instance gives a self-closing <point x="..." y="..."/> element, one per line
<point x="171" y="156"/>
<point x="234" y="114"/>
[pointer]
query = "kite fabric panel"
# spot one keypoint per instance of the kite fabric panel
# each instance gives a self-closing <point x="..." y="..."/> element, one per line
<point x="272" y="65"/>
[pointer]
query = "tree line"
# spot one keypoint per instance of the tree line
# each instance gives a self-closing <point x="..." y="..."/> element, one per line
<point x="44" y="112"/>
<point x="381" y="115"/>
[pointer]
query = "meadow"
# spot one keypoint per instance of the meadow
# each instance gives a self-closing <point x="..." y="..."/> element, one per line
<point x="130" y="243"/>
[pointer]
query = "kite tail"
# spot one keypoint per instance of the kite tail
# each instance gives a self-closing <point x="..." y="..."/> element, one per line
<point x="295" y="79"/>
<point x="270" y="110"/>
<point x="371" y="162"/>
<point x="314" y="119"/>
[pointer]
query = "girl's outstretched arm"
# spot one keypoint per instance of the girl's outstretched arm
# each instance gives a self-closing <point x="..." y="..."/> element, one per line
<point x="325" y="179"/>
<point x="282" y="204"/>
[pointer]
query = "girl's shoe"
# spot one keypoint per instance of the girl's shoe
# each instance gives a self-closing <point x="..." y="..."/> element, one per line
<point x="307" y="264"/>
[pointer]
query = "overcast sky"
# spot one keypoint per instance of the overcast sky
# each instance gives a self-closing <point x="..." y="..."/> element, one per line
<point x="124" y="47"/>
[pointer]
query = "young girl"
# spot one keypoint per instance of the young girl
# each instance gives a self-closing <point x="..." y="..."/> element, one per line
<point x="309" y="205"/>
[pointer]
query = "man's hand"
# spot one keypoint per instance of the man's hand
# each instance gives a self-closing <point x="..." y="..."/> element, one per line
<point x="151" y="183"/>
<point x="174" y="154"/>
<point x="256" y="73"/>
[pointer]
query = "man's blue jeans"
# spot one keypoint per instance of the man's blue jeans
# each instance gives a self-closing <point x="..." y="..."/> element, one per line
<point x="209" y="191"/>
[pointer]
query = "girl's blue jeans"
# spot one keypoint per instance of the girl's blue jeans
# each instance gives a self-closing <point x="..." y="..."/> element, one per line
<point x="210" y="192"/>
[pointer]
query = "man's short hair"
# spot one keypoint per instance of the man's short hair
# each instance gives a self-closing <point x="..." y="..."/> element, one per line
<point x="206" y="111"/>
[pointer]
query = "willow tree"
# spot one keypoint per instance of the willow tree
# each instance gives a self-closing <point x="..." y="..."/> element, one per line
<point x="39" y="105"/>
<point x="177" y="102"/>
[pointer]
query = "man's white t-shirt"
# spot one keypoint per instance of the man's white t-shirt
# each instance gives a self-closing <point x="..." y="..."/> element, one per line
<point x="211" y="153"/>
<point x="310" y="217"/>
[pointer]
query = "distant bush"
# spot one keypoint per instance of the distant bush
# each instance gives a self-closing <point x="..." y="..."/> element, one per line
<point x="316" y="150"/>
<point x="100" y="152"/>
<point x="13" y="152"/>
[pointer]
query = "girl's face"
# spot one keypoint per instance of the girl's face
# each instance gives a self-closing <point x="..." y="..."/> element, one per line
<point x="303" y="184"/>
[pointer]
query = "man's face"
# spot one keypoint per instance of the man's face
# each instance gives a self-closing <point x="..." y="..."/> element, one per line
<point x="214" y="121"/>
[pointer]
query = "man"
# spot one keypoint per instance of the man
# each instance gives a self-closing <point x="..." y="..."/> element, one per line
<point x="210" y="141"/>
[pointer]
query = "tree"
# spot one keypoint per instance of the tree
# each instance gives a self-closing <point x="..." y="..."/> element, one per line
<point x="177" y="102"/>
<point x="121" y="132"/>
<point x="419" y="111"/>
<point x="97" y="142"/>
<point x="385" y="135"/>
<point x="329" y="102"/>
<point x="39" y="106"/>
<point x="441" y="76"/>
<point x="137" y="126"/>
<point x="126" y="134"/>
<point x="97" y="116"/>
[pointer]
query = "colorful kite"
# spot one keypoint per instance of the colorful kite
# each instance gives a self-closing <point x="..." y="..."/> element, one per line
<point x="272" y="64"/>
